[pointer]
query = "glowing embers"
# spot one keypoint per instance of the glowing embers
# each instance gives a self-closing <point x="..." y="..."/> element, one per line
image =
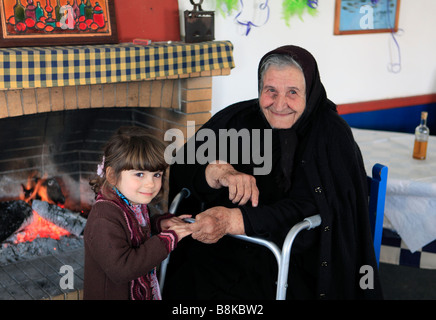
<point x="39" y="213"/>
<point x="40" y="228"/>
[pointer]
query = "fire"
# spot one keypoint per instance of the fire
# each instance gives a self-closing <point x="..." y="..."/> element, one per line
<point x="44" y="189"/>
<point x="40" y="228"/>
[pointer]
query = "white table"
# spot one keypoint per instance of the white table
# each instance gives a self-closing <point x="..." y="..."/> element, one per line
<point x="411" y="189"/>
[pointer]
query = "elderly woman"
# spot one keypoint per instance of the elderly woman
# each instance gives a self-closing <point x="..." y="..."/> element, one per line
<point x="316" y="167"/>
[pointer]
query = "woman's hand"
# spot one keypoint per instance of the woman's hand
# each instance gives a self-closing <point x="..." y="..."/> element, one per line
<point x="242" y="187"/>
<point x="214" y="223"/>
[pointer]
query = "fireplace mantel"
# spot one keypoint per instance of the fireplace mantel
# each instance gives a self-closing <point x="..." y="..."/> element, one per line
<point x="173" y="76"/>
<point x="43" y="67"/>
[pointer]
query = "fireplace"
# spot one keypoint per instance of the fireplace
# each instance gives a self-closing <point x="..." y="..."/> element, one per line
<point x="53" y="127"/>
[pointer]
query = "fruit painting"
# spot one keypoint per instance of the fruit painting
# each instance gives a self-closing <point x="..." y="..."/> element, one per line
<point x="42" y="22"/>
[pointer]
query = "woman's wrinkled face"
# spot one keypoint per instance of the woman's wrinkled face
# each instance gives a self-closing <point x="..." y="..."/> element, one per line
<point x="283" y="96"/>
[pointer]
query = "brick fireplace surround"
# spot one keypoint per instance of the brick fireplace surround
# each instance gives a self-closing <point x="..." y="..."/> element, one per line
<point x="171" y="81"/>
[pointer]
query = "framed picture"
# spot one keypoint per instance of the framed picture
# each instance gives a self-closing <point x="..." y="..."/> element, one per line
<point x="56" y="22"/>
<point x="366" y="16"/>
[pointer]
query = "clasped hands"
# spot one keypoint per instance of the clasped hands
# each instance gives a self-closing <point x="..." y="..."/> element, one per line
<point x="212" y="224"/>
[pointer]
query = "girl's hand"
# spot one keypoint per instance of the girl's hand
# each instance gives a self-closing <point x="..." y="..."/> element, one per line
<point x="182" y="229"/>
<point x="168" y="223"/>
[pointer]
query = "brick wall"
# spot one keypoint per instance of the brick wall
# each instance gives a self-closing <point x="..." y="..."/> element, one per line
<point x="171" y="101"/>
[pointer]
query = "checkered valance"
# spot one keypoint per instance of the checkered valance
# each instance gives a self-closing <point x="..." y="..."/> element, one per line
<point x="36" y="67"/>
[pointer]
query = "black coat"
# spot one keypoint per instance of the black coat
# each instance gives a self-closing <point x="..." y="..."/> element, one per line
<point x="324" y="174"/>
<point x="328" y="178"/>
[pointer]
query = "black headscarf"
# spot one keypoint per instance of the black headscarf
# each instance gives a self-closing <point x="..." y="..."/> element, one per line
<point x="316" y="97"/>
<point x="316" y="100"/>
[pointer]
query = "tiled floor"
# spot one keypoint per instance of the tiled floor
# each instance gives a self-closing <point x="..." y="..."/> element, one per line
<point x="407" y="283"/>
<point x="40" y="278"/>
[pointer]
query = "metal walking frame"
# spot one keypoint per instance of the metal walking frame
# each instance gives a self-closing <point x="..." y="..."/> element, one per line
<point x="282" y="255"/>
<point x="377" y="195"/>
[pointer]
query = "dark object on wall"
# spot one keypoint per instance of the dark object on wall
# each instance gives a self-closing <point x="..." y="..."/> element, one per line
<point x="199" y="24"/>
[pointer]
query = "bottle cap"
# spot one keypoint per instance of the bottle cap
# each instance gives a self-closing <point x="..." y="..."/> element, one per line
<point x="424" y="115"/>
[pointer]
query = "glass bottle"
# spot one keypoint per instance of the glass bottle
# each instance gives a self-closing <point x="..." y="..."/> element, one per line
<point x="98" y="15"/>
<point x="50" y="21"/>
<point x="39" y="11"/>
<point x="30" y="11"/>
<point x="422" y="133"/>
<point x="57" y="15"/>
<point x="88" y="10"/>
<point x="76" y="9"/>
<point x="82" y="8"/>
<point x="48" y="8"/>
<point x="19" y="11"/>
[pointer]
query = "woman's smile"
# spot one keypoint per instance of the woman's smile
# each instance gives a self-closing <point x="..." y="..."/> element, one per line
<point x="283" y="96"/>
<point x="281" y="114"/>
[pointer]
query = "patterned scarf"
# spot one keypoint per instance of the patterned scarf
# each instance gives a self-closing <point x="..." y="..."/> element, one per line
<point x="145" y="287"/>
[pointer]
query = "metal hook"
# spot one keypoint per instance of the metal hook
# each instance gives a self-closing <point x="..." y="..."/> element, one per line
<point x="197" y="6"/>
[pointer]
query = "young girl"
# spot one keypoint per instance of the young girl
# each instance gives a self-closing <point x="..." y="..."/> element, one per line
<point x="122" y="246"/>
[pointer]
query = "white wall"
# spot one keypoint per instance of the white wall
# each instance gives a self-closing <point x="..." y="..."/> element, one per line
<point x="353" y="68"/>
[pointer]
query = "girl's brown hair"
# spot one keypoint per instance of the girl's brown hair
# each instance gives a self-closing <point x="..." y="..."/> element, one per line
<point x="130" y="148"/>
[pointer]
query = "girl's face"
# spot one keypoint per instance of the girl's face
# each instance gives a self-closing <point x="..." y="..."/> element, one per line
<point x="140" y="187"/>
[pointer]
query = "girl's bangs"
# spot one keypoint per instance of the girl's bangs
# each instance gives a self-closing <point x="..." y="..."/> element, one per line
<point x="145" y="157"/>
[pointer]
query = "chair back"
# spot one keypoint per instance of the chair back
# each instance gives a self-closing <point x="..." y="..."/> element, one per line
<point x="377" y="197"/>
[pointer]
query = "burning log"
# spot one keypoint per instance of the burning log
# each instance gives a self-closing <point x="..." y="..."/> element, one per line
<point x="46" y="189"/>
<point x="64" y="218"/>
<point x="14" y="216"/>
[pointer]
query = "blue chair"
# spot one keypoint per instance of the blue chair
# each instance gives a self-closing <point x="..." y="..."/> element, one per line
<point x="377" y="198"/>
<point x="377" y="195"/>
